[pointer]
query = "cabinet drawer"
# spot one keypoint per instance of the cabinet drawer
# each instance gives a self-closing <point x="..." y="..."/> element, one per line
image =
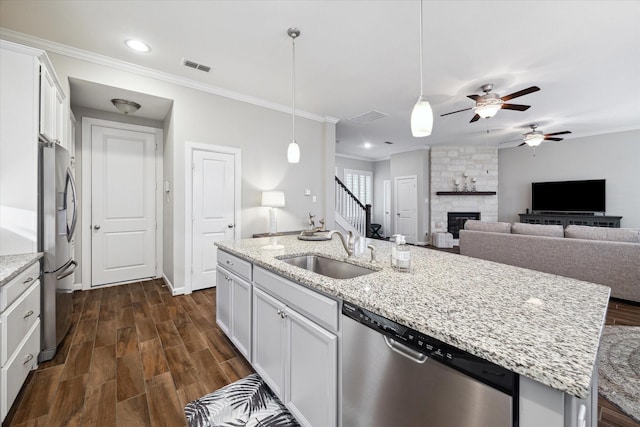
<point x="17" y="368"/>
<point x="12" y="290"/>
<point x="319" y="308"/>
<point x="234" y="264"/>
<point x="18" y="319"/>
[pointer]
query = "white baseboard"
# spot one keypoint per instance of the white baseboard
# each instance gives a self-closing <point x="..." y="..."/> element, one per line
<point x="77" y="287"/>
<point x="174" y="291"/>
<point x="422" y="243"/>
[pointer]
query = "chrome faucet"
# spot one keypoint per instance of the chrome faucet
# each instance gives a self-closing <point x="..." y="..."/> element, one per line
<point x="348" y="244"/>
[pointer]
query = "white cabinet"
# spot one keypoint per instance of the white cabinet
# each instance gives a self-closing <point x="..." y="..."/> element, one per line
<point x="233" y="301"/>
<point x="52" y="117"/>
<point x="233" y="310"/>
<point x="295" y="356"/>
<point x="19" y="333"/>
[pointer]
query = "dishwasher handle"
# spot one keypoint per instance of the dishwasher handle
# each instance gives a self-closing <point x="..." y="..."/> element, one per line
<point x="405" y="351"/>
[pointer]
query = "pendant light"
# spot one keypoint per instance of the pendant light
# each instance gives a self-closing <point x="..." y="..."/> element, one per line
<point x="422" y="115"/>
<point x="293" y="151"/>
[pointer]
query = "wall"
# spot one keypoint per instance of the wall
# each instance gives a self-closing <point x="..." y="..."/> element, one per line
<point x="449" y="164"/>
<point x="80" y="113"/>
<point x="262" y="134"/>
<point x="343" y="163"/>
<point x="381" y="173"/>
<point x="413" y="163"/>
<point x="614" y="157"/>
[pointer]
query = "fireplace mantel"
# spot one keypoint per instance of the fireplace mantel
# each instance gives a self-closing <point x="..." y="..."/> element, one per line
<point x="466" y="193"/>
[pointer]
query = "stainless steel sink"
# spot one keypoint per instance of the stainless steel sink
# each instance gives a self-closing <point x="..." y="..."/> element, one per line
<point x="327" y="266"/>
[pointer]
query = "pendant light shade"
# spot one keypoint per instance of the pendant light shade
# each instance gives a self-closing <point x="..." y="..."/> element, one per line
<point x="293" y="151"/>
<point x="422" y="114"/>
<point x="421" y="118"/>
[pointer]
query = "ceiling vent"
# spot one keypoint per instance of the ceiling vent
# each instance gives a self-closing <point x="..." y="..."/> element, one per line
<point x="368" y="117"/>
<point x="195" y="65"/>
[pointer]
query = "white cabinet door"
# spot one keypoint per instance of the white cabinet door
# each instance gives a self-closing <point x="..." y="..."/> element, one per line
<point x="312" y="374"/>
<point x="241" y="316"/>
<point x="47" y="105"/>
<point x="223" y="302"/>
<point x="268" y="340"/>
<point x="59" y="130"/>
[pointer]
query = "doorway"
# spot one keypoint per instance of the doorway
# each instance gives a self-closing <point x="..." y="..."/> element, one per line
<point x="121" y="172"/>
<point x="212" y="203"/>
<point x="406" y="203"/>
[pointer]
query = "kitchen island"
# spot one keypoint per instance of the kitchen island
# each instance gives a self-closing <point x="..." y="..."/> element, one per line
<point x="543" y="327"/>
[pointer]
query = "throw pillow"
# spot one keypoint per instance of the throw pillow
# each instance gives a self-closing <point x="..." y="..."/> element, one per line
<point x="493" y="227"/>
<point x="602" y="233"/>
<point x="537" y="229"/>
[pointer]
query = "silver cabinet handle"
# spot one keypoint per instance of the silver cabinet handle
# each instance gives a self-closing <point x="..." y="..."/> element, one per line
<point x="96" y="227"/>
<point x="28" y="280"/>
<point x="28" y="314"/>
<point x="282" y="313"/>
<point x="230" y="225"/>
<point x="229" y="262"/>
<point x="28" y="358"/>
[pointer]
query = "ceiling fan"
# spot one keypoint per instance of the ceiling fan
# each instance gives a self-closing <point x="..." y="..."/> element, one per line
<point x="487" y="105"/>
<point x="535" y="137"/>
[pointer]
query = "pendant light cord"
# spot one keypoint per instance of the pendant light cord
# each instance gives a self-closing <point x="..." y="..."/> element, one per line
<point x="421" y="89"/>
<point x="293" y="115"/>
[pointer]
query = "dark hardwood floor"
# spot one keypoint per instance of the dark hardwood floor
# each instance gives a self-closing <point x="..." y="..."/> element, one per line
<point x="135" y="356"/>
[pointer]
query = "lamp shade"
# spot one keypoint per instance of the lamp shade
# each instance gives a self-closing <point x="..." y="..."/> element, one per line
<point x="421" y="118"/>
<point x="293" y="152"/>
<point x="273" y="199"/>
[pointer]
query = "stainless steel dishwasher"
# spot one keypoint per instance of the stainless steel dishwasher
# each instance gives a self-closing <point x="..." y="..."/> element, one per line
<point x="395" y="376"/>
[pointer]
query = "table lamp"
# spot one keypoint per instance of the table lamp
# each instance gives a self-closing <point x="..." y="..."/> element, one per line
<point x="273" y="200"/>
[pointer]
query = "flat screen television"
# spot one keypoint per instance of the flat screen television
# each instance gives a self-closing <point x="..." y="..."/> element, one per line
<point x="568" y="196"/>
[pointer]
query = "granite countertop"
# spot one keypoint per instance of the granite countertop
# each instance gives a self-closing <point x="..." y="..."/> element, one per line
<point x="12" y="265"/>
<point x="539" y="325"/>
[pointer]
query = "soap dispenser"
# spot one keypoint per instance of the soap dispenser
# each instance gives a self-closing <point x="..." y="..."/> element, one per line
<point x="403" y="254"/>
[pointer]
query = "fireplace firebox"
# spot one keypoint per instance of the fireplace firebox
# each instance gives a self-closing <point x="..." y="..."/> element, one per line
<point x="456" y="220"/>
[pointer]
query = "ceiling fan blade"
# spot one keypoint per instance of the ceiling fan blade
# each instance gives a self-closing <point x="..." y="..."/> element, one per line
<point x="517" y="107"/>
<point x="474" y="119"/>
<point x="521" y="93"/>
<point x="553" y="139"/>
<point x="453" y="112"/>
<point x="524" y="143"/>
<point x="557" y="133"/>
<point x="474" y="97"/>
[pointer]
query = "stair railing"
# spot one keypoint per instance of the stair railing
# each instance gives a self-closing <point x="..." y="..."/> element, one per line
<point x="352" y="210"/>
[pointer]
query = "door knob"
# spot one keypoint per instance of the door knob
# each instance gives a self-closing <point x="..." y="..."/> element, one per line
<point x="398" y="214"/>
<point x="230" y="226"/>
<point x="96" y="227"/>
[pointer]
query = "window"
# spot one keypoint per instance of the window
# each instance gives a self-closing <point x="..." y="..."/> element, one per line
<point x="360" y="183"/>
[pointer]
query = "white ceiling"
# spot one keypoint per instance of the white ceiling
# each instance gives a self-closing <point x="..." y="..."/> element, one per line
<point x="355" y="56"/>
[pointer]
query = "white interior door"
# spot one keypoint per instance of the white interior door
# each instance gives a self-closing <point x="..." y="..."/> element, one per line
<point x="386" y="208"/>
<point x="213" y="212"/>
<point x="123" y="210"/>
<point x="406" y="201"/>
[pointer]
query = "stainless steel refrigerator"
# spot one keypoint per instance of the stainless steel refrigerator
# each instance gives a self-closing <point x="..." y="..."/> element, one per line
<point x="58" y="214"/>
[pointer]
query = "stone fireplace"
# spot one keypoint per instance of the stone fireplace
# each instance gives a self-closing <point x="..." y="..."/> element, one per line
<point x="456" y="220"/>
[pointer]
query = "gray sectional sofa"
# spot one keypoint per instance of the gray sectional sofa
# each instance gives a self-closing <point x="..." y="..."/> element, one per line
<point x="606" y="256"/>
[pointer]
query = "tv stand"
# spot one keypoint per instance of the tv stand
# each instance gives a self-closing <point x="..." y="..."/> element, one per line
<point x="563" y="219"/>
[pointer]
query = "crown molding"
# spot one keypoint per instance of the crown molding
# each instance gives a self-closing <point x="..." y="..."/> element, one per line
<point x="117" y="64"/>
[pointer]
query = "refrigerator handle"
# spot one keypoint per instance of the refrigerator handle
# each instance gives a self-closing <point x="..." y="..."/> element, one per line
<point x="66" y="271"/>
<point x="72" y="229"/>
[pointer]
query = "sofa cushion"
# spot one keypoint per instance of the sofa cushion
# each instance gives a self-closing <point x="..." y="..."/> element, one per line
<point x="602" y="233"/>
<point x="537" y="229"/>
<point x="493" y="227"/>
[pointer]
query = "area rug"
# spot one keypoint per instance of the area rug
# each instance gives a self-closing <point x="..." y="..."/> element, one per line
<point x="248" y="402"/>
<point x="619" y="372"/>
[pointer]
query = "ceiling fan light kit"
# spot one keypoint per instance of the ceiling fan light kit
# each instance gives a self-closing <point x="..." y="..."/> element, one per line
<point x="536" y="137"/>
<point x="489" y="106"/>
<point x="422" y="114"/>
<point x="293" y="150"/>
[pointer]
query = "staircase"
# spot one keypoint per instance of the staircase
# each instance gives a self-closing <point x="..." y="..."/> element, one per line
<point x="351" y="215"/>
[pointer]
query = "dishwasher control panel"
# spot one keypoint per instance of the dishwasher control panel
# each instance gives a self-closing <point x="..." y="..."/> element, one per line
<point x="483" y="370"/>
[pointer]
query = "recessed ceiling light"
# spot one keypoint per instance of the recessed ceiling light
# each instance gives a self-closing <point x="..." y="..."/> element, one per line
<point x="367" y="145"/>
<point x="137" y="45"/>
